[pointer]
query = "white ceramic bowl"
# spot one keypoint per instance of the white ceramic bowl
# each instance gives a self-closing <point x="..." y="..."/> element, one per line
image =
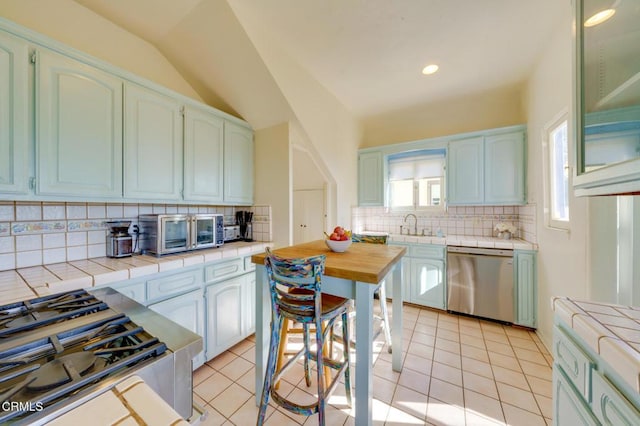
<point x="338" y="246"/>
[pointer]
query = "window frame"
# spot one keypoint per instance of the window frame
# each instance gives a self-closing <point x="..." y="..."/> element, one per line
<point x="561" y="119"/>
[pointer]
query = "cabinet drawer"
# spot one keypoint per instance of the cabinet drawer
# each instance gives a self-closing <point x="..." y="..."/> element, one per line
<point x="574" y="362"/>
<point x="223" y="270"/>
<point x="248" y="265"/>
<point x="610" y="406"/>
<point x="426" y="250"/>
<point x="173" y="284"/>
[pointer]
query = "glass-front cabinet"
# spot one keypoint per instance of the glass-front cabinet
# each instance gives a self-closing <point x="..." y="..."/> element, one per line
<point x="607" y="96"/>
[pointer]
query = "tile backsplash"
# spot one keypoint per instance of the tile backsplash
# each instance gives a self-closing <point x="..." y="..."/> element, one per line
<point x="39" y="233"/>
<point x="474" y="221"/>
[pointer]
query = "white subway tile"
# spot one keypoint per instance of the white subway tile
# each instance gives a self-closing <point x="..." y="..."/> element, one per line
<point x="115" y="211"/>
<point x="7" y="261"/>
<point x="145" y="209"/>
<point x="96" y="237"/>
<point x="76" y="211"/>
<point x="54" y="255"/>
<point x="28" y="258"/>
<point x="76" y="253"/>
<point x="171" y="209"/>
<point x="130" y="211"/>
<point x="7" y="211"/>
<point x="53" y="240"/>
<point x="28" y="211"/>
<point x="97" y="250"/>
<point x="7" y="245"/>
<point x="28" y="242"/>
<point x="96" y="211"/>
<point x="51" y="211"/>
<point x="76" y="239"/>
<point x="159" y="209"/>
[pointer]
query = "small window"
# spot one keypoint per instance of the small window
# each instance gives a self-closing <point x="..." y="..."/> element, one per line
<point x="416" y="180"/>
<point x="557" y="209"/>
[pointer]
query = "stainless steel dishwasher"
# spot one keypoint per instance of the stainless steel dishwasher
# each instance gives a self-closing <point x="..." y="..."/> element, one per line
<point x="480" y="282"/>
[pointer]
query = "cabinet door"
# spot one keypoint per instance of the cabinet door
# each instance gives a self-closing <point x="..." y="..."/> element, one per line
<point x="370" y="179"/>
<point x="79" y="128"/>
<point x="187" y="311"/>
<point x="504" y="170"/>
<point x="427" y="282"/>
<point x="568" y="407"/>
<point x="203" y="156"/>
<point x="250" y="305"/>
<point x="238" y="164"/>
<point x="224" y="315"/>
<point x="308" y="215"/>
<point x="465" y="171"/>
<point x="152" y="145"/>
<point x="14" y="95"/>
<point x="525" y="293"/>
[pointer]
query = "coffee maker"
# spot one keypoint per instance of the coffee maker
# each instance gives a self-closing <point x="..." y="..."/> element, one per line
<point x="119" y="241"/>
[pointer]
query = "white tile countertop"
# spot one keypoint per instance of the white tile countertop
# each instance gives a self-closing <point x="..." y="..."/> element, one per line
<point x="465" y="241"/>
<point x="612" y="331"/>
<point x="35" y="281"/>
<point x="127" y="403"/>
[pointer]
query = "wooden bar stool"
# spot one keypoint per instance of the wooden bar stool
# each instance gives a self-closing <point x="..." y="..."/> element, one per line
<point x="295" y="287"/>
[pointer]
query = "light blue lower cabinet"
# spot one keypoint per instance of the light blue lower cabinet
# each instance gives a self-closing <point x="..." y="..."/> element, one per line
<point x="568" y="407"/>
<point x="427" y="283"/>
<point x="525" y="288"/>
<point x="186" y="310"/>
<point x="582" y="392"/>
<point x="224" y="315"/>
<point x="215" y="300"/>
<point x="424" y="275"/>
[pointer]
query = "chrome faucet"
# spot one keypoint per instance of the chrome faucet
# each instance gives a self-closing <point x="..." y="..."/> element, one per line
<point x="415" y="223"/>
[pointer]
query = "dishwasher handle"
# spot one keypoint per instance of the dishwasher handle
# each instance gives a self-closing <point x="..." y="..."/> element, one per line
<point x="480" y="251"/>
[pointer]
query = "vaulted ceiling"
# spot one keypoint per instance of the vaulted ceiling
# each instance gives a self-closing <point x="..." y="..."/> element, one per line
<point x="368" y="53"/>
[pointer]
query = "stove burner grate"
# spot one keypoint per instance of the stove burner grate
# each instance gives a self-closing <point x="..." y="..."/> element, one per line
<point x="61" y="370"/>
<point x="38" y="312"/>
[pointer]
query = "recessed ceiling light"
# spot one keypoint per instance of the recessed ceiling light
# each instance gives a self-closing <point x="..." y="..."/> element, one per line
<point x="429" y="69"/>
<point x="599" y="17"/>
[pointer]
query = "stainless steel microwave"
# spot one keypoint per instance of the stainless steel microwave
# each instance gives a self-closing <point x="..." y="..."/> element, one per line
<point x="174" y="233"/>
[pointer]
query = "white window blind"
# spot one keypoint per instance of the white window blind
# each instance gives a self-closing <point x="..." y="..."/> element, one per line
<point x="416" y="167"/>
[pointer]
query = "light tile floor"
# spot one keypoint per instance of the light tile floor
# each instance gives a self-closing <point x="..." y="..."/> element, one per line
<point x="456" y="371"/>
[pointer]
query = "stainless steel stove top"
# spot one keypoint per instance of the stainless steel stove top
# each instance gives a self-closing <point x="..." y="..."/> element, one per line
<point x="61" y="350"/>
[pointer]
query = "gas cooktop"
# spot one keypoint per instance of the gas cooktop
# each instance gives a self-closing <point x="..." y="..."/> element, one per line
<point x="62" y="346"/>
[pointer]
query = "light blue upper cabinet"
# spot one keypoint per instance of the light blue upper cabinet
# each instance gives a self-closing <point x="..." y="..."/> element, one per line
<point x="14" y="72"/>
<point x="465" y="171"/>
<point x="203" y="156"/>
<point x="370" y="179"/>
<point x="152" y="145"/>
<point x="487" y="169"/>
<point x="78" y="128"/>
<point x="238" y="164"/>
<point x="504" y="169"/>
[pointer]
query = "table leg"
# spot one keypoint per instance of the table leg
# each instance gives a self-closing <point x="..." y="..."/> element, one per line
<point x="364" y="353"/>
<point x="263" y="323"/>
<point x="396" y="335"/>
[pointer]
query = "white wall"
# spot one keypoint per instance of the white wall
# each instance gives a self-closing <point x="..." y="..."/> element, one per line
<point x="562" y="256"/>
<point x="74" y="25"/>
<point x="498" y="108"/>
<point x="273" y="179"/>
